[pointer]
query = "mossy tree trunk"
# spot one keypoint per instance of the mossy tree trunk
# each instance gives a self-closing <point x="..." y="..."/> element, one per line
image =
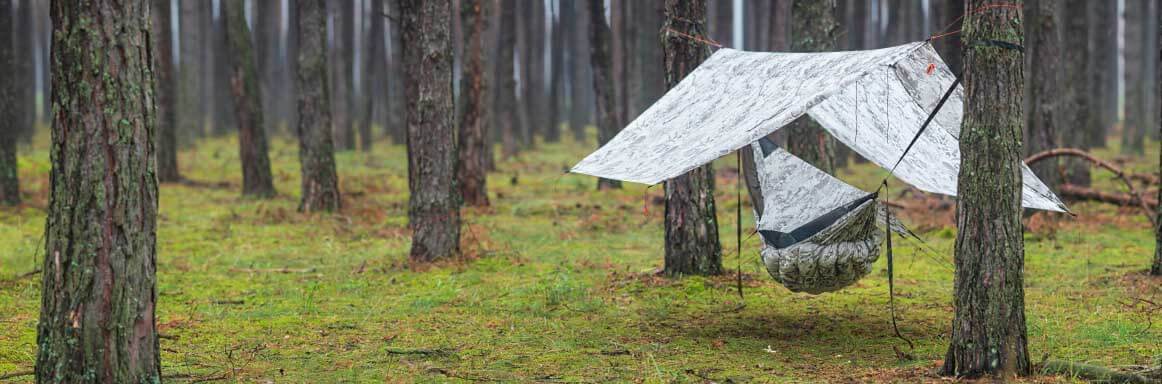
<point x="988" y="329"/>
<point x="252" y="145"/>
<point x="691" y="221"/>
<point x="167" y="92"/>
<point x="98" y="291"/>
<point x="1042" y="63"/>
<point x="602" y="63"/>
<point x="813" y="29"/>
<point x="9" y="107"/>
<point x="1075" y="113"/>
<point x="320" y="182"/>
<point x="434" y="201"/>
<point x="473" y="88"/>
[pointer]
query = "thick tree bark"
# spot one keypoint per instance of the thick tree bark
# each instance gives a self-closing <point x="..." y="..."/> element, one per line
<point x="575" y="23"/>
<point x="473" y="89"/>
<point x="1043" y="85"/>
<point x="691" y="220"/>
<point x="988" y="329"/>
<point x="600" y="60"/>
<point x="167" y="143"/>
<point x="252" y="145"/>
<point x="813" y="29"/>
<point x="1075" y="113"/>
<point x="98" y="291"/>
<point x="556" y="77"/>
<point x="9" y="107"/>
<point x="507" y="104"/>
<point x="320" y="182"/>
<point x="433" y="205"/>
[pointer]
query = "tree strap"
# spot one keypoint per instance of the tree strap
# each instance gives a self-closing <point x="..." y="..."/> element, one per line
<point x="891" y="274"/>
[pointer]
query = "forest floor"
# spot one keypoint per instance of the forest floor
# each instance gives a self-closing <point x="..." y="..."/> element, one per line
<point x="558" y="284"/>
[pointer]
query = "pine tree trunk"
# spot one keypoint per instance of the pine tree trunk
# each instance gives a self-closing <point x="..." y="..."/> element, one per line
<point x="556" y="78"/>
<point x="341" y="74"/>
<point x="225" y="120"/>
<point x="948" y="15"/>
<point x="252" y="145"/>
<point x="524" y="121"/>
<point x="1044" y="85"/>
<point x="98" y="293"/>
<point x="397" y="127"/>
<point x="167" y="143"/>
<point x="473" y="89"/>
<point x="507" y="105"/>
<point x="648" y="56"/>
<point x="619" y="63"/>
<point x="191" y="110"/>
<point x="988" y="329"/>
<point x="600" y="60"/>
<point x="1156" y="268"/>
<point x="720" y="16"/>
<point x="1134" y="129"/>
<point x="813" y="29"/>
<point x="373" y="71"/>
<point x="535" y="27"/>
<point x="1106" y="49"/>
<point x="575" y="22"/>
<point x="320" y="182"/>
<point x="9" y="108"/>
<point x="433" y="206"/>
<point x="1075" y="108"/>
<point x="691" y="221"/>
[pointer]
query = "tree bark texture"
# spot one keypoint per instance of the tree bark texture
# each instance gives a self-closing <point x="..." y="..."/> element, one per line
<point x="506" y="104"/>
<point x="167" y="92"/>
<point x="320" y="182"/>
<point x="1043" y="86"/>
<point x="9" y="107"/>
<point x="988" y="329"/>
<point x="691" y="220"/>
<point x="252" y="145"/>
<point x="601" y="61"/>
<point x="1075" y="113"/>
<point x="434" y="204"/>
<point x="813" y="29"/>
<point x="473" y="88"/>
<point x="98" y="295"/>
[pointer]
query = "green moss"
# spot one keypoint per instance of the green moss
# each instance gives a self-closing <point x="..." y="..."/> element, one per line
<point x="562" y="286"/>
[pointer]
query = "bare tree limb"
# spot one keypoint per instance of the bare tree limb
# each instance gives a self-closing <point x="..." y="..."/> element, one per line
<point x="1100" y="163"/>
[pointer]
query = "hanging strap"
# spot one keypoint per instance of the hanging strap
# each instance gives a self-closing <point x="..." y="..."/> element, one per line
<point x="891" y="272"/>
<point x="923" y="127"/>
<point x="738" y="222"/>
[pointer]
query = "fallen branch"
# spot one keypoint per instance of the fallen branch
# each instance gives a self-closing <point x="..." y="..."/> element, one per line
<point x="1101" y="163"/>
<point x="24" y="275"/>
<point x="13" y="375"/>
<point x="1090" y="372"/>
<point x="1089" y="194"/>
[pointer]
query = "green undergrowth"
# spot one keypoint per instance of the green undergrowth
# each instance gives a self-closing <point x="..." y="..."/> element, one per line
<point x="558" y="283"/>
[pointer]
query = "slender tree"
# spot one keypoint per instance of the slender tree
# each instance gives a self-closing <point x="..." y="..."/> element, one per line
<point x="556" y="76"/>
<point x="1137" y="94"/>
<point x="647" y="56"/>
<point x="813" y="29"/>
<point x="167" y="92"/>
<point x="342" y="76"/>
<point x="947" y="16"/>
<point x="252" y="145"/>
<point x="373" y="72"/>
<point x="433" y="205"/>
<point x="98" y="293"/>
<point x="524" y="106"/>
<point x="192" y="109"/>
<point x="1075" y="113"/>
<point x="574" y="22"/>
<point x="222" y="98"/>
<point x="602" y="63"/>
<point x="1043" y="85"/>
<point x="473" y="89"/>
<point x="988" y="330"/>
<point x="691" y="222"/>
<point x="397" y="127"/>
<point x="1156" y="268"/>
<point x="320" y="182"/>
<point x="507" y="107"/>
<point x="9" y="107"/>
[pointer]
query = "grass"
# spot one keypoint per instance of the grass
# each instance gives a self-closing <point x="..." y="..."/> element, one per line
<point x="557" y="285"/>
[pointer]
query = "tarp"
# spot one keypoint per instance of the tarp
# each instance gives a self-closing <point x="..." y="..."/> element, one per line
<point x="873" y="101"/>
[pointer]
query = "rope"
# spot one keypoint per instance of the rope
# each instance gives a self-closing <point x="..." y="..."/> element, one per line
<point x="698" y="39"/>
<point x="891" y="272"/>
<point x="944" y="31"/>
<point x="738" y="222"/>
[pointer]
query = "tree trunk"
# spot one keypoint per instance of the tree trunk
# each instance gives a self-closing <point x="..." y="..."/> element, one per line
<point x="948" y="19"/>
<point x="1043" y="85"/>
<point x="1075" y="113"/>
<point x="1134" y="129"/>
<point x="373" y="71"/>
<point x="433" y="206"/>
<point x="9" y="107"/>
<point x="619" y="62"/>
<point x="320" y="182"/>
<point x="600" y="60"/>
<point x="397" y="127"/>
<point x="473" y="88"/>
<point x="1106" y="50"/>
<point x="252" y="146"/>
<point x="98" y="293"/>
<point x="191" y="110"/>
<point x="573" y="21"/>
<point x="342" y="85"/>
<point x="224" y="117"/>
<point x="167" y="143"/>
<point x="1156" y="268"/>
<point x="988" y="330"/>
<point x="648" y="15"/>
<point x="556" y="77"/>
<point x="524" y="119"/>
<point x="535" y="92"/>
<point x="507" y="104"/>
<point x="692" y="246"/>
<point x="720" y="19"/>
<point x="813" y="29"/>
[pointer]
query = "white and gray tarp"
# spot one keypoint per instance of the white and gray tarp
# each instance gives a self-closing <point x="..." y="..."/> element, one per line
<point x="873" y="101"/>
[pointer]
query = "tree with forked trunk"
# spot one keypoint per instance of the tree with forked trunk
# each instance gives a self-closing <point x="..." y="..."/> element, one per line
<point x="99" y="287"/>
<point x="320" y="182"/>
<point x="988" y="328"/>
